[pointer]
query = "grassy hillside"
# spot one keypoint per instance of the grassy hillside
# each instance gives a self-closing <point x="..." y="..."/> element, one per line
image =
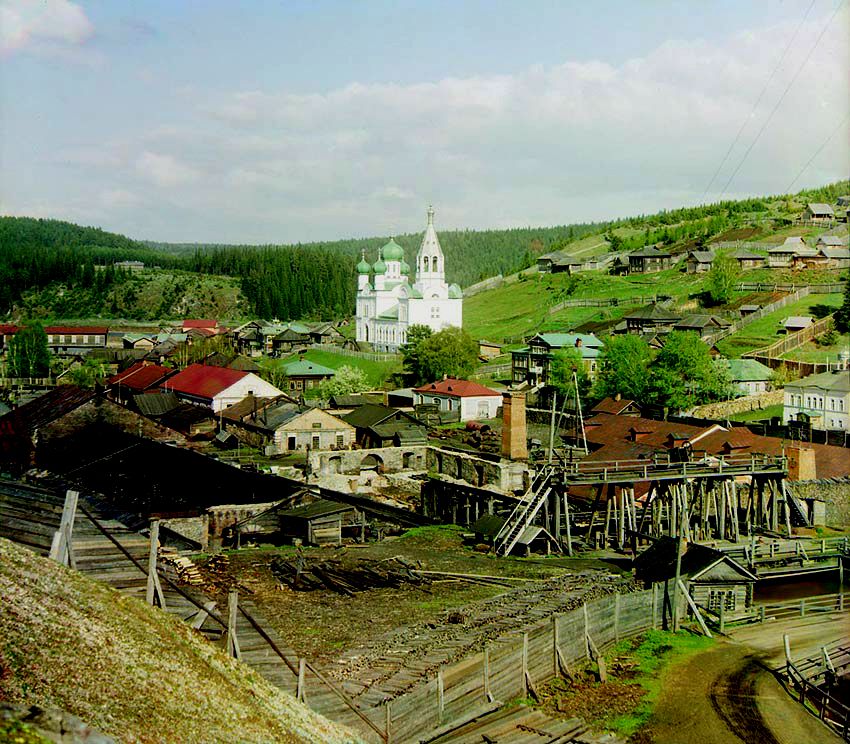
<point x="129" y="670"/>
<point x="149" y="295"/>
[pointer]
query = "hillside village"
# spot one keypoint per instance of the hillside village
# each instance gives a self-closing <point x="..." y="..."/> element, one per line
<point x="365" y="509"/>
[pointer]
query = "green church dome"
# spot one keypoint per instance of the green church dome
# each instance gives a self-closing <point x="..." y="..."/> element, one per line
<point x="392" y="251"/>
<point x="455" y="292"/>
<point x="364" y="267"/>
<point x="379" y="267"/>
<point x="405" y="268"/>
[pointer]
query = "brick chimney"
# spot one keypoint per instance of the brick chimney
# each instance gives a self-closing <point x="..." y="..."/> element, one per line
<point x="514" y="432"/>
<point x="801" y="463"/>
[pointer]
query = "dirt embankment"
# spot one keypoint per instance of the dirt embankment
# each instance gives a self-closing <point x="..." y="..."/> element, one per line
<point x="129" y="670"/>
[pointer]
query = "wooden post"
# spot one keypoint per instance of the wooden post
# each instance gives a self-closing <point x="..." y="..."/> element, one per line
<point x="388" y="721"/>
<point x="762" y="614"/>
<point x="567" y="524"/>
<point x="607" y="522"/>
<point x="441" y="694"/>
<point x="722" y="615"/>
<point x="586" y="630"/>
<point x="302" y="668"/>
<point x="654" y="606"/>
<point x="786" y="641"/>
<point x="61" y="549"/>
<point x="200" y="616"/>
<point x="152" y="553"/>
<point x="556" y="510"/>
<point x="487" y="694"/>
<point x="803" y="607"/>
<point x="617" y="617"/>
<point x="232" y="640"/>
<point x="525" y="664"/>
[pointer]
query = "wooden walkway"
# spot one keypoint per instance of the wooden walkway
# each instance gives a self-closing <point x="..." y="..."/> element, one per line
<point x="523" y="725"/>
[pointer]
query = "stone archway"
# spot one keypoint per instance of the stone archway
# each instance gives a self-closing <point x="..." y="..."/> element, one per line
<point x="333" y="465"/>
<point x="371" y="462"/>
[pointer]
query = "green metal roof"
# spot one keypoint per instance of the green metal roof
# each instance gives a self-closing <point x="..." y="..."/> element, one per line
<point x="560" y="340"/>
<point x="364" y="267"/>
<point x="306" y="368"/>
<point x="748" y="370"/>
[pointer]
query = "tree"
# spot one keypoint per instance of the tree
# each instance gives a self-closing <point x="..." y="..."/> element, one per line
<point x="87" y="375"/>
<point x="451" y="352"/>
<point x="411" y="351"/>
<point x="28" y="353"/>
<point x="685" y="375"/>
<point x="722" y="278"/>
<point x="564" y="363"/>
<point x="624" y="368"/>
<point x="842" y="315"/>
<point x="347" y="380"/>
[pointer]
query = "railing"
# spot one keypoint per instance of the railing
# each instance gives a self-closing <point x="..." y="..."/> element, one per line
<point x="758" y="314"/>
<point x="834" y="288"/>
<point x="373" y="356"/>
<point x="647" y="470"/>
<point x="777" y="550"/>
<point x="810" y="680"/>
<point x="803" y="607"/>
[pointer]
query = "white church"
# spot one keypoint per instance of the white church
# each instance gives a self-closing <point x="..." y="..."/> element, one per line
<point x="387" y="304"/>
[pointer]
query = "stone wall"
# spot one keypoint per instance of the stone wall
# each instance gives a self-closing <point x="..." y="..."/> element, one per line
<point x="723" y="410"/>
<point x="834" y="492"/>
<point x="503" y="475"/>
<point x="351" y="462"/>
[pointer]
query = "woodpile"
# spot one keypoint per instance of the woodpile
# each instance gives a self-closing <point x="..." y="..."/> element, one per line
<point x="303" y="574"/>
<point x="180" y="569"/>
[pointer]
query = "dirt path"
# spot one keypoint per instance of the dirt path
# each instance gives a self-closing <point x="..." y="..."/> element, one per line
<point x="728" y="695"/>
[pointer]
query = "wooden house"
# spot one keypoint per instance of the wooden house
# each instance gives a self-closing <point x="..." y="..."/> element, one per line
<point x="488" y="350"/>
<point x="819" y="213"/>
<point x="650" y="318"/>
<point x="704" y="325"/>
<point x="304" y="374"/>
<point x="714" y="581"/>
<point x="322" y="523"/>
<point x="699" y="262"/>
<point x="648" y="260"/>
<point x="382" y="426"/>
<point x="748" y="260"/>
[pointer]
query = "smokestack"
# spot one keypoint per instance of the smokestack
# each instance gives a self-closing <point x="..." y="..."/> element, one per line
<point x="514" y="446"/>
<point x="802" y="465"/>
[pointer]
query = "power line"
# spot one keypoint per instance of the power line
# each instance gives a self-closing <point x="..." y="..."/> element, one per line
<point x="817" y="152"/>
<point x="781" y="99"/>
<point x="758" y="100"/>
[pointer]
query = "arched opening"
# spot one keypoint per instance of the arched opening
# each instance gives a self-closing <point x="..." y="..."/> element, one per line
<point x="408" y="460"/>
<point x="371" y="462"/>
<point x="333" y="466"/>
<point x="434" y="264"/>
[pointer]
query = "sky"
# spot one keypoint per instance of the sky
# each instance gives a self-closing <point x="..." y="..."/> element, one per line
<point x="277" y="122"/>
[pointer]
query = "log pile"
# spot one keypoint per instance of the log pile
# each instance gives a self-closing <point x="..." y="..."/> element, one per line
<point x="180" y="569"/>
<point x="303" y="574"/>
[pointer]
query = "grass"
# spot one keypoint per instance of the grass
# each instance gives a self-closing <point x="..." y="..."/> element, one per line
<point x="653" y="656"/>
<point x="758" y="415"/>
<point x="765" y="330"/>
<point x="813" y="352"/>
<point x="377" y="373"/>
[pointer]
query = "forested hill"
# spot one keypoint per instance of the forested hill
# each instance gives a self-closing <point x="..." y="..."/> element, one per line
<point x="473" y="255"/>
<point x="65" y="270"/>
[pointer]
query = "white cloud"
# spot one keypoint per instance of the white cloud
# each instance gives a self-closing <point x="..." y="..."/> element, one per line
<point x="119" y="198"/>
<point x="582" y="140"/>
<point x="164" y="170"/>
<point x="25" y="23"/>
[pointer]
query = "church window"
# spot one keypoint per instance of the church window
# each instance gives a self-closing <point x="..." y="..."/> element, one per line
<point x="435" y="311"/>
<point x="434" y="263"/>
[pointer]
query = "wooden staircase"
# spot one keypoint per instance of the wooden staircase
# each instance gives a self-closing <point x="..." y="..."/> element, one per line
<point x="525" y="511"/>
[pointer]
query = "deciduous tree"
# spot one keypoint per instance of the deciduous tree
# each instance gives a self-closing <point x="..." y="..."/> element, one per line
<point x="347" y="380"/>
<point x="624" y="368"/>
<point x="721" y="278"/>
<point x="451" y="352"/>
<point x="28" y="353"/>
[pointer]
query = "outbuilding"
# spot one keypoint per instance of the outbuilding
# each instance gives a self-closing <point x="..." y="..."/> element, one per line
<point x="474" y="401"/>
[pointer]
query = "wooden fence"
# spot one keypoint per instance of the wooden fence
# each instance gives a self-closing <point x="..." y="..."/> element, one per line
<point x="759" y="314"/>
<point x="812" y="681"/>
<point x="604" y="302"/>
<point x="835" y="288"/>
<point x="509" y="670"/>
<point x="373" y="356"/>
<point x="771" y="356"/>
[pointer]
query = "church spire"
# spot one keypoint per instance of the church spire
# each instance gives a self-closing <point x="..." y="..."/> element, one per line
<point x="430" y="215"/>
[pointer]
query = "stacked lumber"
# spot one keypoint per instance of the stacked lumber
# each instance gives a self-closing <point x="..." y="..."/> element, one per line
<point x="303" y="574"/>
<point x="180" y="569"/>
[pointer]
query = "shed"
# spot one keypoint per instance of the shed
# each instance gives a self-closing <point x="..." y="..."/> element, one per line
<point x="713" y="579"/>
<point x="797" y="323"/>
<point x="817" y="212"/>
<point x="321" y="523"/>
<point x="699" y="261"/>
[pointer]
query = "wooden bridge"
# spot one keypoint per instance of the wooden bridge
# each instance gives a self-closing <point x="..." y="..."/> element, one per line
<point x="779" y="558"/>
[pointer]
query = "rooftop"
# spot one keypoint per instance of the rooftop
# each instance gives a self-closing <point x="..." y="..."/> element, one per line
<point x="458" y="389"/>
<point x="202" y="381"/>
<point x="748" y="370"/>
<point x="833" y="382"/>
<point x="306" y="368"/>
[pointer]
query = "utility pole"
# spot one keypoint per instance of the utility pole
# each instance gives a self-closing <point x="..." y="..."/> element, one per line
<point x="674" y="603"/>
<point x="552" y="426"/>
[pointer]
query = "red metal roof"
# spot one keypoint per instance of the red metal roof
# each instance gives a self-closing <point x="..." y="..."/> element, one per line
<point x="8" y="330"/>
<point x="77" y="330"/>
<point x="201" y="323"/>
<point x="202" y="381"/>
<point x="612" y="405"/>
<point x="141" y="376"/>
<point x="457" y="389"/>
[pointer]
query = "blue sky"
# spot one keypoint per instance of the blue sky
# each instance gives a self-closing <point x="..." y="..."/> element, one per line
<point x="296" y="121"/>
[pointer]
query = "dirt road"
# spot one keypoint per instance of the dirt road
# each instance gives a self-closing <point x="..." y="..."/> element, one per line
<point x="728" y="695"/>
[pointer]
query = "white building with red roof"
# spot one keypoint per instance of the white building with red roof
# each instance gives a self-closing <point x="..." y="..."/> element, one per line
<point x="474" y="401"/>
<point x="218" y="387"/>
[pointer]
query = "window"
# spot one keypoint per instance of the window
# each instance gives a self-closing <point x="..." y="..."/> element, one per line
<point x="435" y="311"/>
<point x="340" y="440"/>
<point x="317" y="425"/>
<point x="721" y="597"/>
<point x="316" y="442"/>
